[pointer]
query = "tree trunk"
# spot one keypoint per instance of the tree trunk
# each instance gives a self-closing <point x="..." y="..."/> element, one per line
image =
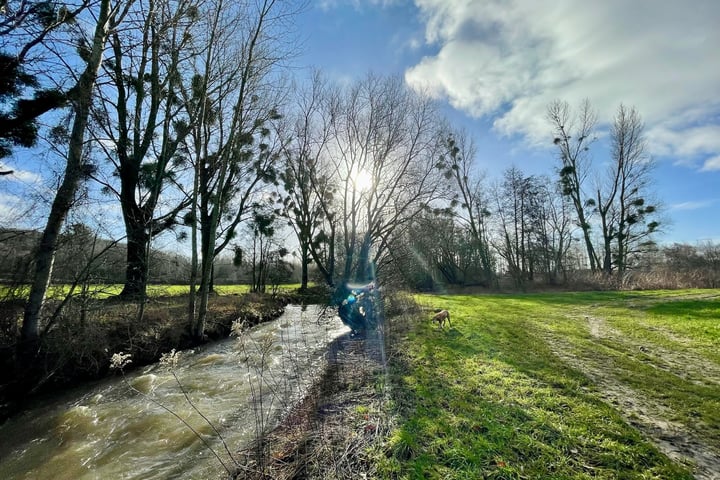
<point x="349" y="259"/>
<point x="363" y="273"/>
<point x="209" y="219"/>
<point x="207" y="245"/>
<point x="211" y="288"/>
<point x="80" y="97"/>
<point x="304" y="261"/>
<point x="588" y="242"/>
<point x="198" y="331"/>
<point x="327" y="271"/>
<point x="45" y="253"/>
<point x="136" y="273"/>
<point x="330" y="277"/>
<point x="192" y="297"/>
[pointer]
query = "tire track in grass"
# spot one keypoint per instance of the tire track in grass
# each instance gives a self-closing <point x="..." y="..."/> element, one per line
<point x="686" y="365"/>
<point x="678" y="441"/>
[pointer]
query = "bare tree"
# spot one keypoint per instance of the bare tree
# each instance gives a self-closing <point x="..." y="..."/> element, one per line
<point x="234" y="98"/>
<point x="266" y="262"/>
<point x="558" y="230"/>
<point x="384" y="145"/>
<point x="698" y="264"/>
<point x="573" y="137"/>
<point x="142" y="121"/>
<point x="306" y="198"/>
<point x="514" y="197"/>
<point x="470" y="196"/>
<point x="438" y="245"/>
<point x="620" y="201"/>
<point x="26" y="28"/>
<point x="635" y="215"/>
<point x="79" y="97"/>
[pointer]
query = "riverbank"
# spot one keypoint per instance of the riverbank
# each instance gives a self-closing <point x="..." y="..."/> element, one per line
<point x="78" y="348"/>
<point x="327" y="434"/>
<point x="345" y="418"/>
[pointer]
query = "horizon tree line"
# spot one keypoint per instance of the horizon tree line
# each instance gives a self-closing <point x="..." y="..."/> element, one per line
<point x="182" y="112"/>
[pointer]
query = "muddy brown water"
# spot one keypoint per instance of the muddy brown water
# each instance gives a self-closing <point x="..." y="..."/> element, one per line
<point x="113" y="431"/>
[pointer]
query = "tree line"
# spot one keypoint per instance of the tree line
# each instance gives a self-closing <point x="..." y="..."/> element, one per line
<point x="80" y="246"/>
<point x="184" y="114"/>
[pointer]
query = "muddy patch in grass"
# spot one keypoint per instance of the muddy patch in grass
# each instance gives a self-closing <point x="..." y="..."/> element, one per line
<point x="684" y="364"/>
<point x="691" y="443"/>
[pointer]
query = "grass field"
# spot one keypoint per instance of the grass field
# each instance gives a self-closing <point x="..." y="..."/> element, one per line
<point x="613" y="385"/>
<point x="105" y="291"/>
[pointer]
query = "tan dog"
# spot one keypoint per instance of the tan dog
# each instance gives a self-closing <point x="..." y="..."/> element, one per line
<point x="441" y="317"/>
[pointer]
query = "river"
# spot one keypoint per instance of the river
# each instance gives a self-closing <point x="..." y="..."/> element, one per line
<point x="118" y="428"/>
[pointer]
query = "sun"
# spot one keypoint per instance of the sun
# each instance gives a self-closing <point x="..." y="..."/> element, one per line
<point x="362" y="181"/>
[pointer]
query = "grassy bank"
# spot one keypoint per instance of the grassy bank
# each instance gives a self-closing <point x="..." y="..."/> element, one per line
<point x="572" y="386"/>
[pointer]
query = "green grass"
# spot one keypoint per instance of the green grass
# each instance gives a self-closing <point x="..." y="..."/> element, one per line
<point x="105" y="291"/>
<point x="98" y="290"/>
<point x="536" y="386"/>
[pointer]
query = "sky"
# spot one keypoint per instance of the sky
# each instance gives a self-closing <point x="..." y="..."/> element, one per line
<point x="495" y="65"/>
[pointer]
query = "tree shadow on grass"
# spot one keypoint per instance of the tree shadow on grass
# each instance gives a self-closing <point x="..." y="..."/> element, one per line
<point x="490" y="400"/>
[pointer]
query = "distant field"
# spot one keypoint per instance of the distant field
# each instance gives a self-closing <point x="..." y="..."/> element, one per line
<point x="104" y="291"/>
<point x="564" y="386"/>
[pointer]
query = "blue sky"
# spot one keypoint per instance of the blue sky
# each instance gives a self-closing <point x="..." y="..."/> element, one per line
<point x="496" y="64"/>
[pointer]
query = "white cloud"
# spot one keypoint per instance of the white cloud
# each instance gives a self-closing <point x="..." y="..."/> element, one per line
<point x="509" y="59"/>
<point x="711" y="164"/>
<point x="20" y="175"/>
<point x="26" y="176"/>
<point x="414" y="43"/>
<point x="692" y="205"/>
<point x="8" y="209"/>
<point x="683" y="138"/>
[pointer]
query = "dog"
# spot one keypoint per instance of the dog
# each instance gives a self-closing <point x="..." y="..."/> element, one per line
<point x="441" y="317"/>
